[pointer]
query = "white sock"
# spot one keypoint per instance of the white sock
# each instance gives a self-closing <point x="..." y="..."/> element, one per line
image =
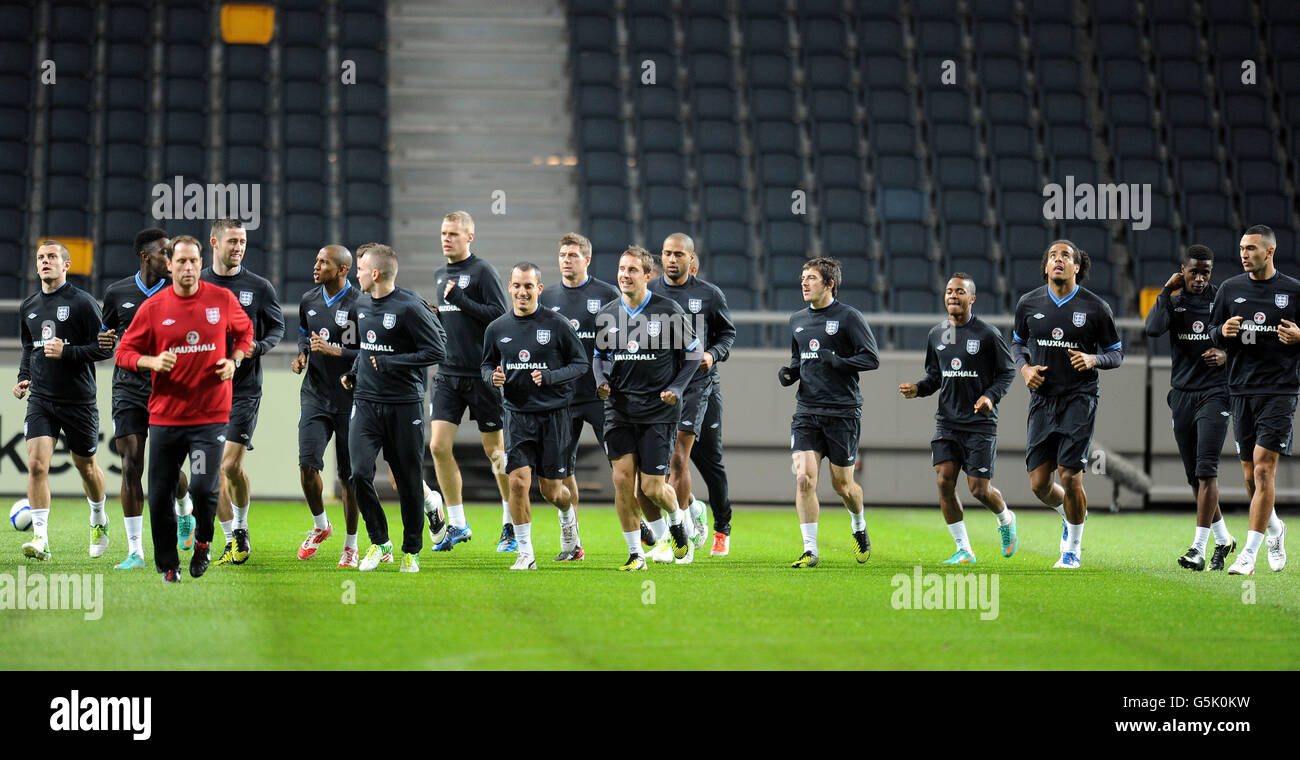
<point x="567" y="516"/>
<point x="1060" y="510"/>
<point x="1274" y="524"/>
<point x="1202" y="537"/>
<point x="40" y="522"/>
<point x="456" y="515"/>
<point x="658" y="527"/>
<point x="241" y="517"/>
<point x="689" y="524"/>
<point x="1005" y="517"/>
<point x="430" y="499"/>
<point x="322" y="521"/>
<point x="1221" y="534"/>
<point x="958" y="531"/>
<point x="809" y="531"/>
<point x="97" y="516"/>
<point x="858" y="520"/>
<point x="505" y="512"/>
<point x="633" y="539"/>
<point x="696" y="507"/>
<point x="227" y="526"/>
<point x="134" y="535"/>
<point x="524" y="535"/>
<point x="1073" y="537"/>
<point x="1254" y="540"/>
<point x="183" y="506"/>
<point x="350" y="541"/>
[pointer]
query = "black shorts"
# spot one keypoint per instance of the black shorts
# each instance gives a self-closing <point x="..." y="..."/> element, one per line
<point x="1200" y="425"/>
<point x="315" y="427"/>
<point x="975" y="453"/>
<point x="695" y="404"/>
<point x="1060" y="430"/>
<point x="1262" y="421"/>
<point x="79" y="423"/>
<point x="243" y="420"/>
<point x="539" y="440"/>
<point x="836" y="438"/>
<point x="592" y="413"/>
<point x="451" y="394"/>
<point x="651" y="442"/>
<point x="130" y="416"/>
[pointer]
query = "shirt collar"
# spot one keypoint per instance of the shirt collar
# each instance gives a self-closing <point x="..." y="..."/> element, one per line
<point x="139" y="283"/>
<point x="347" y="285"/>
<point x="1055" y="300"/>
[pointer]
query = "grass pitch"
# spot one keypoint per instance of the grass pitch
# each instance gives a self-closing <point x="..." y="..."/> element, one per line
<point x="1130" y="606"/>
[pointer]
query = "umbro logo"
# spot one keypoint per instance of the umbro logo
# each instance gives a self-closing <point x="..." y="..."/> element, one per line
<point x="661" y="467"/>
<point x="506" y="339"/>
<point x="940" y="347"/>
<point x="1180" y="308"/>
<point x="1038" y="316"/>
<point x="361" y="315"/>
<point x="1238" y="300"/>
<point x="128" y="305"/>
<point x="984" y="469"/>
<point x="168" y="322"/>
<point x="415" y="421"/>
<point x="32" y="315"/>
<point x="1226" y="414"/>
<point x="311" y="312"/>
<point x="798" y="329"/>
<point x="687" y="423"/>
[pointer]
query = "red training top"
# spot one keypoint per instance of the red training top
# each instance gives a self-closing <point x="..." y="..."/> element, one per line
<point x="197" y="329"/>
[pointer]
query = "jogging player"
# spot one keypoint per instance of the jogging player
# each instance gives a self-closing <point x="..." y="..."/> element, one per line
<point x="967" y="361"/>
<point x="830" y="344"/>
<point x="535" y="357"/>
<point x="469" y="296"/>
<point x="707" y="306"/>
<point x="1063" y="334"/>
<point x="1253" y="319"/>
<point x="131" y="397"/>
<point x="181" y="334"/>
<point x="578" y="296"/>
<point x="646" y="353"/>
<point x="327" y="348"/>
<point x="59" y="329"/>
<point x="399" y="338"/>
<point x="1198" y="396"/>
<point x="257" y="297"/>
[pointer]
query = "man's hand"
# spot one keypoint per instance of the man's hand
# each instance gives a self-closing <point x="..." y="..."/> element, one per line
<point x="537" y="377"/>
<point x="668" y="397"/>
<point x="1214" y="357"/>
<point x="498" y="377"/>
<point x="20" y="389"/>
<point x="603" y="392"/>
<point x="298" y="364"/>
<point x="225" y="369"/>
<point x="1033" y="375"/>
<point x="346" y="381"/>
<point x="1288" y="333"/>
<point x="451" y="283"/>
<point x="107" y="340"/>
<point x="321" y="346"/>
<point x="252" y="349"/>
<point x="161" y="363"/>
<point x="707" y="361"/>
<point x="909" y="390"/>
<point x="1175" y="282"/>
<point x="54" y="348"/>
<point x="374" y="363"/>
<point x="984" y="405"/>
<point x="1082" y="362"/>
<point x="1231" y="327"/>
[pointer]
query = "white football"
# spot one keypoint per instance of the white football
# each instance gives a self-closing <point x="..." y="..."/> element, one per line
<point x="20" y="515"/>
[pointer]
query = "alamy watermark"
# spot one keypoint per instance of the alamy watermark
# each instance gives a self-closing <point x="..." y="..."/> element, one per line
<point x="182" y="200"/>
<point x="77" y="713"/>
<point x="1097" y="202"/>
<point x="947" y="591"/>
<point x="54" y="591"/>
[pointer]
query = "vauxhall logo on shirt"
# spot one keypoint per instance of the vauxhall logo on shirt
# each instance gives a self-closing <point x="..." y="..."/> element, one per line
<point x="1197" y="333"/>
<point x="192" y="345"/>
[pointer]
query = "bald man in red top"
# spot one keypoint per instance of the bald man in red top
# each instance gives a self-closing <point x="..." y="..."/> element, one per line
<point x="181" y="335"/>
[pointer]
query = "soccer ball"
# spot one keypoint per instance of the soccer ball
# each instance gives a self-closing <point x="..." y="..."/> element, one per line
<point x="20" y="515"/>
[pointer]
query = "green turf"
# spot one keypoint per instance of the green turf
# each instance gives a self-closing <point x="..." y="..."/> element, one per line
<point x="1129" y="607"/>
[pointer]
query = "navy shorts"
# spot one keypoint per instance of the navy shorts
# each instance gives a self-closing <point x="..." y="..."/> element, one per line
<point x="315" y="428"/>
<point x="1262" y="421"/>
<point x="79" y="423"/>
<point x="1200" y="425"/>
<point x="539" y="440"/>
<point x="243" y="420"/>
<point x="452" y="394"/>
<point x="130" y="416"/>
<point x="974" y="453"/>
<point x="1060" y="430"/>
<point x="592" y="413"/>
<point x="651" y="442"/>
<point x="695" y="404"/>
<point x="836" y="438"/>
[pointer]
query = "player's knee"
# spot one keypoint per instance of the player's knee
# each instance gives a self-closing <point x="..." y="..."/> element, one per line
<point x="947" y="483"/>
<point x="979" y="489"/>
<point x="552" y="490"/>
<point x="1071" y="479"/>
<point x="307" y="473"/>
<point x="843" y="488"/>
<point x="520" y="480"/>
<point x="38" y="468"/>
<point x="805" y="482"/>
<point x="440" y="447"/>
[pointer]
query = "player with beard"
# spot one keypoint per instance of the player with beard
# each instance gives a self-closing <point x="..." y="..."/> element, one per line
<point x="1063" y="334"/>
<point x="131" y="391"/>
<point x="1198" y="397"/>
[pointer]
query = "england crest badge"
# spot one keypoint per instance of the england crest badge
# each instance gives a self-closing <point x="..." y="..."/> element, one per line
<point x="695" y="304"/>
<point x="1079" y="318"/>
<point x="832" y="326"/>
<point x="653" y="327"/>
<point x="245" y="298"/>
<point x="463" y="281"/>
<point x="213" y="315"/>
<point x="543" y="337"/>
<point x="389" y="321"/>
<point x="1280" y="300"/>
<point x="593" y="305"/>
<point x="63" y="313"/>
<point x="340" y="317"/>
<point x="972" y="347"/>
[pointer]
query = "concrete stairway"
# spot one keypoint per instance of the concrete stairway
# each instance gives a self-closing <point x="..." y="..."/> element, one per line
<point x="480" y="121"/>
